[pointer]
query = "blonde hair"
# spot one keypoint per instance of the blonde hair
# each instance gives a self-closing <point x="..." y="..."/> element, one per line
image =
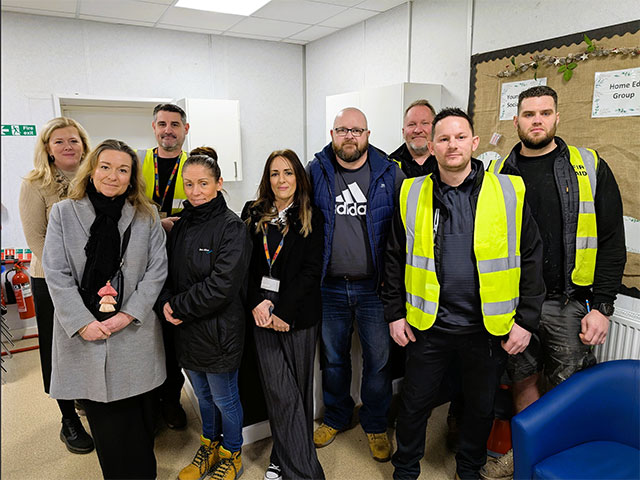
<point x="302" y="196"/>
<point x="135" y="191"/>
<point x="44" y="168"/>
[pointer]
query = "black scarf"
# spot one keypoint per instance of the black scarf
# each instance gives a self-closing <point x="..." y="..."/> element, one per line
<point x="103" y="247"/>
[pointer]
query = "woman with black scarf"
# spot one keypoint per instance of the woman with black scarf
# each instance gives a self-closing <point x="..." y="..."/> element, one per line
<point x="107" y="230"/>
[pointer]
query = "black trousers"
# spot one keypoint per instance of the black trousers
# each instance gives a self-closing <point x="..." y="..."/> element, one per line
<point x="285" y="361"/>
<point x="171" y="389"/>
<point x="44" y="320"/>
<point x="123" y="435"/>
<point x="482" y="361"/>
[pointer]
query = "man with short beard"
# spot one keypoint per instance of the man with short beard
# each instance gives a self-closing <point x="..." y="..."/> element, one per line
<point x="413" y="155"/>
<point x="162" y="172"/>
<point x="576" y="203"/>
<point x="356" y="187"/>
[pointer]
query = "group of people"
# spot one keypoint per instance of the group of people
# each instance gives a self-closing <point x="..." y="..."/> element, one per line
<point x="468" y="271"/>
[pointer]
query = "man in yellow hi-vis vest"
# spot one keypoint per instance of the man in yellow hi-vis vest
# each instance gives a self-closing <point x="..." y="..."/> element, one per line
<point x="575" y="200"/>
<point x="162" y="165"/>
<point x="463" y="283"/>
<point x="162" y="172"/>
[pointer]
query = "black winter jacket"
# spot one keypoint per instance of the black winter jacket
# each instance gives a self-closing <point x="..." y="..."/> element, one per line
<point x="298" y="267"/>
<point x="209" y="252"/>
<point x="532" y="290"/>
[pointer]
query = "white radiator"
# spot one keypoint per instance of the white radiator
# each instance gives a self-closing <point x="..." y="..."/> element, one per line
<point x="623" y="339"/>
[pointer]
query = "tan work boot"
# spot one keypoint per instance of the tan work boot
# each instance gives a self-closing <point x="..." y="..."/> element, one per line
<point x="206" y="457"/>
<point x="380" y="446"/>
<point x="500" y="468"/>
<point x="229" y="467"/>
<point x="324" y="435"/>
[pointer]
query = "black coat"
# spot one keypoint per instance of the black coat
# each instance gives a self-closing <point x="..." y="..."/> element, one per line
<point x="298" y="267"/>
<point x="209" y="252"/>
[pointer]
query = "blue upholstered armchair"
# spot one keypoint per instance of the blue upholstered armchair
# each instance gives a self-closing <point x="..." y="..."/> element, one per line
<point x="588" y="427"/>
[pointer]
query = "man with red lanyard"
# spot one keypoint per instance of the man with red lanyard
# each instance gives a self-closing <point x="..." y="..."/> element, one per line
<point x="162" y="172"/>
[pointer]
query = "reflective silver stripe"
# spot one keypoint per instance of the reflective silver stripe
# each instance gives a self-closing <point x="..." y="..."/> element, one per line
<point x="511" y="203"/>
<point x="587" y="207"/>
<point x="501" y="308"/>
<point x="498" y="264"/>
<point x="421" y="304"/>
<point x="141" y="154"/>
<point x="423" y="263"/>
<point x="499" y="164"/>
<point x="583" y="243"/>
<point x="589" y="160"/>
<point x="412" y="209"/>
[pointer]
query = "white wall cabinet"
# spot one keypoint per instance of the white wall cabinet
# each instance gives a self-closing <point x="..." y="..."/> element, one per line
<point x="384" y="108"/>
<point x="216" y="123"/>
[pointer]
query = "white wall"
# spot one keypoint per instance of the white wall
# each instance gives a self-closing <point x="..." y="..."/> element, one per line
<point x="42" y="56"/>
<point x="444" y="35"/>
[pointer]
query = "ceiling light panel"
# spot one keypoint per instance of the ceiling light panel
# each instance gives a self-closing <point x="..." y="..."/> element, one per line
<point x="234" y="7"/>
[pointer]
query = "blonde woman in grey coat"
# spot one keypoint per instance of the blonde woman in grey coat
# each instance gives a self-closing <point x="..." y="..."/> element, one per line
<point x="114" y="364"/>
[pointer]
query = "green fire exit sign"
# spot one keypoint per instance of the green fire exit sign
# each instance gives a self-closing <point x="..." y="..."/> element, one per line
<point x="19" y="130"/>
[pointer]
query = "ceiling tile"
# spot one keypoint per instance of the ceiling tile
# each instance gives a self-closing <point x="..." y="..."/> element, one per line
<point x="120" y="21"/>
<point x="350" y="17"/>
<point x="189" y="17"/>
<point x="182" y="28"/>
<point x="269" y="28"/>
<point x="380" y="5"/>
<point x="298" y="11"/>
<point x="253" y="37"/>
<point x="123" y="9"/>
<point x="314" y="33"/>
<point x="344" y="3"/>
<point x="162" y="2"/>
<point x="294" y="41"/>
<point x="62" y="6"/>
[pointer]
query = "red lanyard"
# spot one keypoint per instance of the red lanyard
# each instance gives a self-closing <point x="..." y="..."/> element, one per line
<point x="173" y="174"/>
<point x="270" y="260"/>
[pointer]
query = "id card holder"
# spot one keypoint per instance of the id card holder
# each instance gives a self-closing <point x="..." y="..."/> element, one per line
<point x="270" y="284"/>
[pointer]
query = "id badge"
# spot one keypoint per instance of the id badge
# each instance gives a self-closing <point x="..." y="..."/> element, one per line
<point x="271" y="284"/>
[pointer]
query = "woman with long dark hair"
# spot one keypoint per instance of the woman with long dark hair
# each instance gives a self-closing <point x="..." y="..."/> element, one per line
<point x="284" y="298"/>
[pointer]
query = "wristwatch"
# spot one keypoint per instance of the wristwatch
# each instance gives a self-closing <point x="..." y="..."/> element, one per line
<point x="606" y="309"/>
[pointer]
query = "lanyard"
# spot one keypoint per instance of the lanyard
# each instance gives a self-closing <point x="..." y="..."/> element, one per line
<point x="271" y="261"/>
<point x="173" y="174"/>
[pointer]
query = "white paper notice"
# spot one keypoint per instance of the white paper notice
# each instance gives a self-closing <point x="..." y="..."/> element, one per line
<point x="616" y="93"/>
<point x="509" y="96"/>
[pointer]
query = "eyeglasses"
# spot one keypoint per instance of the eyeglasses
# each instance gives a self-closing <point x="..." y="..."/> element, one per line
<point x="342" y="132"/>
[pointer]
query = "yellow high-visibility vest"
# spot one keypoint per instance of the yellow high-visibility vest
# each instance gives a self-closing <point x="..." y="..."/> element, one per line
<point x="585" y="163"/>
<point x="148" y="172"/>
<point x="496" y="244"/>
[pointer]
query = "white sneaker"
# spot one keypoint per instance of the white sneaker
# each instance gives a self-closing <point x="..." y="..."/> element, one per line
<point x="273" y="473"/>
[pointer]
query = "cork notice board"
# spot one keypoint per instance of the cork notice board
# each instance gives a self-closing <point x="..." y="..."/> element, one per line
<point x="616" y="139"/>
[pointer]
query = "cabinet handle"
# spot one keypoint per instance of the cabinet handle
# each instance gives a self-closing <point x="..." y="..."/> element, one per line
<point x="235" y="167"/>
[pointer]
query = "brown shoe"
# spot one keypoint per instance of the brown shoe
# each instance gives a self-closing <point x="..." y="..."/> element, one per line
<point x="324" y="435"/>
<point x="206" y="457"/>
<point x="498" y="468"/>
<point x="380" y="446"/>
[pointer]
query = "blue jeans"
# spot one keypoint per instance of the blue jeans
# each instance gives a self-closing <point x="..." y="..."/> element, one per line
<point x="344" y="301"/>
<point x="220" y="406"/>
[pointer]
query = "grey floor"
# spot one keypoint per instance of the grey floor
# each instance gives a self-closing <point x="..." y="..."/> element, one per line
<point x="31" y="448"/>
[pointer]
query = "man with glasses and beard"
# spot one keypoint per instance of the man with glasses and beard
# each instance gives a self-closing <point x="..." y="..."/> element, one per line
<point x="356" y="187"/>
<point x="576" y="203"/>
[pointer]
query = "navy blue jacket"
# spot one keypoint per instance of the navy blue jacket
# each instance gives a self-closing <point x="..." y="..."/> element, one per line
<point x="381" y="201"/>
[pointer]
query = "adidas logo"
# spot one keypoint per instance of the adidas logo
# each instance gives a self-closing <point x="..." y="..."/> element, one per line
<point x="351" y="201"/>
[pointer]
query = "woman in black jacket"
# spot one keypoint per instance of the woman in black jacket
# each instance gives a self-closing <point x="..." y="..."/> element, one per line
<point x="209" y="252"/>
<point x="284" y="297"/>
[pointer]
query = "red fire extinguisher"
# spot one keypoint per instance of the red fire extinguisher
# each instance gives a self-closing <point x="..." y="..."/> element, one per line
<point x="22" y="291"/>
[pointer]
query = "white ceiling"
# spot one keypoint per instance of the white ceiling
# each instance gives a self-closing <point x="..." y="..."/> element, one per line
<point x="291" y="21"/>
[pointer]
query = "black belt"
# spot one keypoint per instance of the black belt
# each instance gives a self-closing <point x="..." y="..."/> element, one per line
<point x="352" y="278"/>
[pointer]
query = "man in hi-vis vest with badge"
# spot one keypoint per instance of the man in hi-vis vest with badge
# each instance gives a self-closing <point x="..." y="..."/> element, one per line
<point x="162" y="172"/>
<point x="576" y="203"/>
<point x="162" y="165"/>
<point x="463" y="282"/>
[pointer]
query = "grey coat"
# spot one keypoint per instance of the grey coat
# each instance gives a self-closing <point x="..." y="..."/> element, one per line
<point x="130" y="362"/>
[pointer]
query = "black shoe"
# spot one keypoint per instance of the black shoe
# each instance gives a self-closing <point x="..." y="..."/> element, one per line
<point x="174" y="415"/>
<point x="75" y="437"/>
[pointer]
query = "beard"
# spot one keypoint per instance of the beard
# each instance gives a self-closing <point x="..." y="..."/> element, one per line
<point x="419" y="150"/>
<point x="351" y="156"/>
<point x="169" y="143"/>
<point x="536" y="143"/>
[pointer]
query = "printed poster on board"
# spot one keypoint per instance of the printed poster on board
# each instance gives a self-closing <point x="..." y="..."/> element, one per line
<point x="509" y="96"/>
<point x="616" y="93"/>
